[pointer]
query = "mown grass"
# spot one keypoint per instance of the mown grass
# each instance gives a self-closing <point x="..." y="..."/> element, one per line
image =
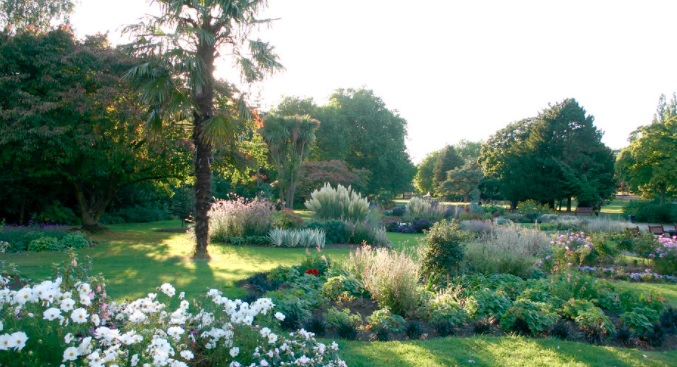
<point x="136" y="258"/>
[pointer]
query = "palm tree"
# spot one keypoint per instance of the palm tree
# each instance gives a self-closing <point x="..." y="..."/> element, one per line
<point x="288" y="139"/>
<point x="177" y="80"/>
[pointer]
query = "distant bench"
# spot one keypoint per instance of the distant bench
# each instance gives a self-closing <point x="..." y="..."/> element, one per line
<point x="584" y="210"/>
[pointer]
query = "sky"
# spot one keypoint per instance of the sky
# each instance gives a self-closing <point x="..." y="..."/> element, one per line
<point x="461" y="69"/>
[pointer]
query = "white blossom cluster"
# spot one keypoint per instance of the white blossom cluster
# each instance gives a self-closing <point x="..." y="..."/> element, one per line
<point x="148" y="333"/>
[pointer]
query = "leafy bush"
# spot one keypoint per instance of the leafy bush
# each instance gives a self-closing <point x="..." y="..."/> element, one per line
<point x="383" y="318"/>
<point x="343" y="287"/>
<point x="665" y="256"/>
<point x="442" y="252"/>
<point x="296" y="238"/>
<point x="341" y="203"/>
<point x="532" y="209"/>
<point x="595" y="324"/>
<point x="651" y="212"/>
<point x="75" y="240"/>
<point x="391" y="277"/>
<point x="398" y="211"/>
<point x="487" y="304"/>
<point x="45" y="244"/>
<point x="446" y="310"/>
<point x="335" y="231"/>
<point x="640" y="320"/>
<point x="239" y="217"/>
<point x="56" y="213"/>
<point x="528" y="317"/>
<point x="571" y="250"/>
<point x="344" y="322"/>
<point x="18" y="238"/>
<point x="286" y="219"/>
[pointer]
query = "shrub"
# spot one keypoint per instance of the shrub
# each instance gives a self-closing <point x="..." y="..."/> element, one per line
<point x="286" y="219"/>
<point x="45" y="244"/>
<point x="18" y="238"/>
<point x="343" y="287"/>
<point x="571" y="249"/>
<point x="344" y="322"/>
<point x="56" y="213"/>
<point x="296" y="238"/>
<point x="316" y="324"/>
<point x="528" y="317"/>
<point x="651" y="212"/>
<point x="640" y="320"/>
<point x="413" y="330"/>
<point x="239" y="217"/>
<point x="595" y="324"/>
<point x="142" y="214"/>
<point x="391" y="277"/>
<point x="442" y="252"/>
<point x="532" y="209"/>
<point x="445" y="309"/>
<point x="75" y="240"/>
<point x="341" y="203"/>
<point x="487" y="304"/>
<point x="398" y="211"/>
<point x="383" y="318"/>
<point x="561" y="330"/>
<point x="335" y="231"/>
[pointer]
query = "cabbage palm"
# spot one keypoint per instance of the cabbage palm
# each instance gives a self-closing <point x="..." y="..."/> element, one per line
<point x="177" y="81"/>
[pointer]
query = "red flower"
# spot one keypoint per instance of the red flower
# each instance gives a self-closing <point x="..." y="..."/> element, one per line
<point x="313" y="271"/>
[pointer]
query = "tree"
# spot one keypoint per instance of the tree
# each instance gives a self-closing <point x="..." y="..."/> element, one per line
<point x="554" y="156"/>
<point x="649" y="164"/>
<point x="358" y="129"/>
<point x="34" y="14"/>
<point x="70" y="121"/>
<point x="182" y="45"/>
<point x="288" y="139"/>
<point x="462" y="181"/>
<point x="469" y="151"/>
<point x="423" y="181"/>
<point x="446" y="161"/>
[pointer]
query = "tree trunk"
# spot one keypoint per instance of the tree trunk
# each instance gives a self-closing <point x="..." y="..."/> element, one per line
<point x="204" y="98"/>
<point x="569" y="204"/>
<point x="93" y="207"/>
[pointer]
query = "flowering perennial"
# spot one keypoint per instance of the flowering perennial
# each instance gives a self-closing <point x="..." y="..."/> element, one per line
<point x="48" y="324"/>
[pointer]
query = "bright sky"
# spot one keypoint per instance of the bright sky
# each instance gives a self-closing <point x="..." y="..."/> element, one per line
<point x="463" y="69"/>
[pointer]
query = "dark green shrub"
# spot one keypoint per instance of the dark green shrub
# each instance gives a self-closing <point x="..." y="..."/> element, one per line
<point x="143" y="214"/>
<point x="75" y="240"/>
<point x="651" y="211"/>
<point x="487" y="304"/>
<point x="528" y="317"/>
<point x="532" y="209"/>
<point x="384" y="318"/>
<point x="623" y="336"/>
<point x="561" y="330"/>
<point x="443" y="327"/>
<point x="669" y="320"/>
<point x="56" y="213"/>
<point x="344" y="322"/>
<point x="335" y="231"/>
<point x="316" y="324"/>
<point x="413" y="330"/>
<point x="640" y="320"/>
<point x="45" y="244"/>
<point x="654" y="337"/>
<point x="443" y="250"/>
<point x="481" y="326"/>
<point x="343" y="287"/>
<point x="382" y="333"/>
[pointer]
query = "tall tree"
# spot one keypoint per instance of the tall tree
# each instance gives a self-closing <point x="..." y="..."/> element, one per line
<point x="462" y="181"/>
<point x="68" y="118"/>
<point x="649" y="164"/>
<point x="34" y="14"/>
<point x="358" y="129"/>
<point x="446" y="161"/>
<point x="423" y="181"/>
<point x="289" y="139"/>
<point x="178" y="82"/>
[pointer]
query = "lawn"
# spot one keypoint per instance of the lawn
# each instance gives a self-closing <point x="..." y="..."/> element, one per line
<point x="136" y="258"/>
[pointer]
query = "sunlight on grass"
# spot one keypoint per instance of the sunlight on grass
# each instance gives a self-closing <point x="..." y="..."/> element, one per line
<point x="667" y="290"/>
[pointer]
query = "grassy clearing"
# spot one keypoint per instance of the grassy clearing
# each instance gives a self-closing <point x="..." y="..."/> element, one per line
<point x="667" y="290"/>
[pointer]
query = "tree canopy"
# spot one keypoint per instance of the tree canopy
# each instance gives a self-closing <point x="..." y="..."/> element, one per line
<point x="649" y="164"/>
<point x="552" y="157"/>
<point x="34" y="14"/>
<point x="70" y="122"/>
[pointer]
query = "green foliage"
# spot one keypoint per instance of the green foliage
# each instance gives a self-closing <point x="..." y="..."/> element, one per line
<point x="462" y="182"/>
<point x="75" y="240"/>
<point x="442" y="252"/>
<point x="358" y="129"/>
<point x="343" y="287"/>
<point x="594" y="324"/>
<point x="651" y="212"/>
<point x="385" y="319"/>
<point x="487" y="304"/>
<point x="141" y="214"/>
<point x="337" y="318"/>
<point x="289" y="139"/>
<point x="34" y="15"/>
<point x="341" y="203"/>
<point x="538" y="317"/>
<point x="532" y="209"/>
<point x="423" y="181"/>
<point x="45" y="244"/>
<point x="335" y="231"/>
<point x="445" y="309"/>
<point x="56" y="213"/>
<point x="446" y="161"/>
<point x="640" y="320"/>
<point x="649" y="165"/>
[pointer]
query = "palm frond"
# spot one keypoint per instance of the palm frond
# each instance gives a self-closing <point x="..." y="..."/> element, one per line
<point x="218" y="130"/>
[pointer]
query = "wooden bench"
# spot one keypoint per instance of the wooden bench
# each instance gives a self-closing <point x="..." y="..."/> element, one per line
<point x="584" y="210"/>
<point x="633" y="231"/>
<point x="656" y="230"/>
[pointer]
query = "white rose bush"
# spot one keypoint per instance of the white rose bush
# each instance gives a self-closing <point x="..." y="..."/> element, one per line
<point x="68" y="322"/>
